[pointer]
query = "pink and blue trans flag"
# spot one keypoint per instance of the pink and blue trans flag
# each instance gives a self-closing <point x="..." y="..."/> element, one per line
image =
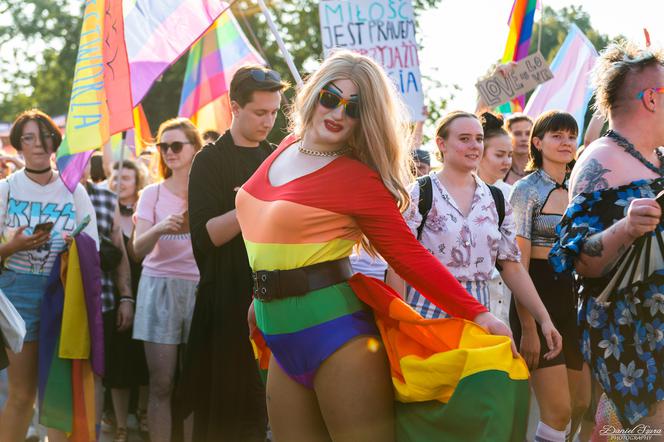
<point x="570" y="89"/>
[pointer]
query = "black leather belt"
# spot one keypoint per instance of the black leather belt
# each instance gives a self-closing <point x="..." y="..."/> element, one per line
<point x="278" y="284"/>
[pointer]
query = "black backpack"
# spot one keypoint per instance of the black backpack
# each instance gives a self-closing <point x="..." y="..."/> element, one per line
<point x="426" y="200"/>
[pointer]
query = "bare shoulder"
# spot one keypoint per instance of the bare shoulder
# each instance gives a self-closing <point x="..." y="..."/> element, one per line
<point x="593" y="171"/>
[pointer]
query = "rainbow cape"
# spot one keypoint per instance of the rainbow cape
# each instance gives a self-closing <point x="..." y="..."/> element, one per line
<point x="452" y="380"/>
<point x="71" y="342"/>
<point x="212" y="62"/>
<point x="521" y="22"/>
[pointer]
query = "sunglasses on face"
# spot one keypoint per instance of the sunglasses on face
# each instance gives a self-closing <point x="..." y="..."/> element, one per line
<point x="330" y="100"/>
<point x="260" y="75"/>
<point x="657" y="90"/>
<point x="175" y="146"/>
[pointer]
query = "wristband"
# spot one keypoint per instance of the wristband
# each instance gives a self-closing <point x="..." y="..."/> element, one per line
<point x="127" y="299"/>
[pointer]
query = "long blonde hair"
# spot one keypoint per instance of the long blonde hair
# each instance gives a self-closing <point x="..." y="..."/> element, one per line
<point x="382" y="138"/>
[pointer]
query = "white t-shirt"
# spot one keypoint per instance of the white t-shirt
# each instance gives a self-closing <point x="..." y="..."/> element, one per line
<point x="26" y="203"/>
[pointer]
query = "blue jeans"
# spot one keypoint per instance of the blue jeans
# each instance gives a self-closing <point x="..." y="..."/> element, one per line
<point x="25" y="291"/>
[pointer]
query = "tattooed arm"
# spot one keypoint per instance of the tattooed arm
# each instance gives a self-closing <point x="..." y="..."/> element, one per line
<point x="602" y="250"/>
<point x="591" y="177"/>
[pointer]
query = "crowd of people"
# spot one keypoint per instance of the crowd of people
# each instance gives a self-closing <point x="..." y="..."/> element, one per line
<point x="217" y="237"/>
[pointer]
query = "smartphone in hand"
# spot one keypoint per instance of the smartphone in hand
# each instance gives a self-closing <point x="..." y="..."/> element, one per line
<point x="43" y="227"/>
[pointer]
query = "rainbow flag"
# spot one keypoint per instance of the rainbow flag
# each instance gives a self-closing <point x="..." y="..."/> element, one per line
<point x="71" y="342"/>
<point x="452" y="380"/>
<point x="87" y="126"/>
<point x="158" y="32"/>
<point x="520" y="22"/>
<point x="124" y="47"/>
<point x="570" y="89"/>
<point x="211" y="65"/>
<point x="140" y="136"/>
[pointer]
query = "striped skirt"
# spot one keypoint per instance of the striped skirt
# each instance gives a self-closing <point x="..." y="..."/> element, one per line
<point x="479" y="289"/>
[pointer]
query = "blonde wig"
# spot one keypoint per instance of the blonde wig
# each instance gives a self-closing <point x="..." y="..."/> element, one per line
<point x="381" y="140"/>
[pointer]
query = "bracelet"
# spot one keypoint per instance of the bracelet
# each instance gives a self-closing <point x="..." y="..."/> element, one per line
<point x="127" y="299"/>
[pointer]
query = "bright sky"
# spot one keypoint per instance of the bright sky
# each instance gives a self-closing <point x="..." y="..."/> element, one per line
<point x="462" y="38"/>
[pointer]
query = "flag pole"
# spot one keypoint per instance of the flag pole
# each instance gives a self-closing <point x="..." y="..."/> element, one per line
<point x="280" y="43"/>
<point x="123" y="145"/>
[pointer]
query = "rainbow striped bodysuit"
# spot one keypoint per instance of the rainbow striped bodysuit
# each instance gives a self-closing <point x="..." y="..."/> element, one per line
<point x="319" y="217"/>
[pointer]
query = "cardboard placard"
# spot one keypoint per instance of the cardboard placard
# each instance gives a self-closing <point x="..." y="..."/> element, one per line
<point x="383" y="30"/>
<point x="526" y="76"/>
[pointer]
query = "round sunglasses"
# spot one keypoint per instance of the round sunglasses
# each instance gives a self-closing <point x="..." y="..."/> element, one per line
<point x="175" y="146"/>
<point x="330" y="100"/>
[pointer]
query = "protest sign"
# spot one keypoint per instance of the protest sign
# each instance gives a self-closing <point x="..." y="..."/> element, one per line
<point x="526" y="75"/>
<point x="383" y="30"/>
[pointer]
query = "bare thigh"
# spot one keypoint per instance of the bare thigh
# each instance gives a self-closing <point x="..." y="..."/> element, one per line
<point x="354" y="392"/>
<point x="22" y="371"/>
<point x="292" y="409"/>
<point x="551" y="388"/>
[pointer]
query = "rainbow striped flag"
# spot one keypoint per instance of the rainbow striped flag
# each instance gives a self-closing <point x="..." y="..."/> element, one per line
<point x="87" y="126"/>
<point x="71" y="342"/>
<point x="452" y="380"/>
<point x="212" y="63"/>
<point x="158" y="32"/>
<point x="521" y="23"/>
<point x="124" y="47"/>
<point x="139" y="137"/>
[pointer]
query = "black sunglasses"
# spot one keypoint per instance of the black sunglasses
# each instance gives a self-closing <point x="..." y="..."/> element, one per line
<point x="269" y="75"/>
<point x="175" y="146"/>
<point x="331" y="100"/>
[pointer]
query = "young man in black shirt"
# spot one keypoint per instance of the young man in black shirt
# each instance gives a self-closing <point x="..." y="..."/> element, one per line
<point x="221" y="384"/>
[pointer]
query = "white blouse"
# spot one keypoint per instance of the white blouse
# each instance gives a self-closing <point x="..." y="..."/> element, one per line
<point x="467" y="245"/>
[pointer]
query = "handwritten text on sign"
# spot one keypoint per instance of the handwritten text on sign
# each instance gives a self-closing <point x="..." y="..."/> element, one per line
<point x="383" y="30"/>
<point x="525" y="77"/>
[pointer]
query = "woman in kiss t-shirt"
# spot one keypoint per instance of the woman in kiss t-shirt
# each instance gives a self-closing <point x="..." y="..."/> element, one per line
<point x="166" y="291"/>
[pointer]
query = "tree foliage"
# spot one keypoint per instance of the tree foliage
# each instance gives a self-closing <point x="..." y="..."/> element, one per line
<point x="556" y="24"/>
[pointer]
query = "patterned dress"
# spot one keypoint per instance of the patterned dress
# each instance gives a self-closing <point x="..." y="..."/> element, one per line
<point x="623" y="338"/>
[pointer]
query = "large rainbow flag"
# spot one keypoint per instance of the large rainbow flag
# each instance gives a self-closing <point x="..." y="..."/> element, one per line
<point x="452" y="380"/>
<point x="71" y="342"/>
<point x="521" y="23"/>
<point x="211" y="65"/>
<point x="124" y="47"/>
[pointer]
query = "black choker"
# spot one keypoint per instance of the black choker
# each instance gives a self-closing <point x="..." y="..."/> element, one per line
<point x="126" y="210"/>
<point x="38" y="172"/>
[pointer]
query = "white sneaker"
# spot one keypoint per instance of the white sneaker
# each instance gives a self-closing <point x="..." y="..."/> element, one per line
<point x="107" y="423"/>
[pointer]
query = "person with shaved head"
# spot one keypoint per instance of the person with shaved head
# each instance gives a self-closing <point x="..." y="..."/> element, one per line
<point x="612" y="212"/>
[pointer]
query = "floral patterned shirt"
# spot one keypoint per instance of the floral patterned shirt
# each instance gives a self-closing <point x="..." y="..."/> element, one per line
<point x="467" y="245"/>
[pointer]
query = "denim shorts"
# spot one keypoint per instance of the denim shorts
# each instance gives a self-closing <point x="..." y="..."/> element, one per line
<point x="25" y="291"/>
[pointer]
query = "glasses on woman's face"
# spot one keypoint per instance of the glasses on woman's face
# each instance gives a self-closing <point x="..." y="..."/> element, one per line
<point x="31" y="139"/>
<point x="331" y="100"/>
<point x="175" y="146"/>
